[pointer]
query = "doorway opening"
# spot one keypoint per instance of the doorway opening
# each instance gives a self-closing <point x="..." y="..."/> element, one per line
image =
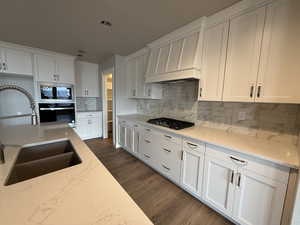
<point x="107" y="95"/>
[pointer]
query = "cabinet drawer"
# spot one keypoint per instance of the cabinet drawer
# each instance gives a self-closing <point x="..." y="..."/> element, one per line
<point x="170" y="169"/>
<point x="170" y="152"/>
<point x="88" y="114"/>
<point x="258" y="166"/>
<point x="167" y="138"/>
<point x="194" y="146"/>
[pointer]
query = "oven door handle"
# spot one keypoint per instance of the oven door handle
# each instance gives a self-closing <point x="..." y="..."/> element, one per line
<point x="54" y="109"/>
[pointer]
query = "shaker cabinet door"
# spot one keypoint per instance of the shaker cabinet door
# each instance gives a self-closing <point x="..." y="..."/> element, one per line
<point x="258" y="200"/>
<point x="218" y="185"/>
<point x="243" y="52"/>
<point x="214" y="58"/>
<point x="279" y="77"/>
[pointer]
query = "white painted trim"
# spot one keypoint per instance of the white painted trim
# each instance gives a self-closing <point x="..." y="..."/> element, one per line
<point x="140" y="52"/>
<point x="104" y="100"/>
<point x="179" y="33"/>
<point x="176" y="75"/>
<point x="33" y="50"/>
<point x="235" y="10"/>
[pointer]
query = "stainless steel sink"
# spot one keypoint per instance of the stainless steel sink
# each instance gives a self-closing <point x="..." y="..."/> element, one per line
<point x="42" y="159"/>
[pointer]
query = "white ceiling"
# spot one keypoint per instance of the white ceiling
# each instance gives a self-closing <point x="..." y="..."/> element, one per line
<point x="68" y="25"/>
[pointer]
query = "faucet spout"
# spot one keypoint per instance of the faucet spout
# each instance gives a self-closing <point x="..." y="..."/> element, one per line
<point x="28" y="95"/>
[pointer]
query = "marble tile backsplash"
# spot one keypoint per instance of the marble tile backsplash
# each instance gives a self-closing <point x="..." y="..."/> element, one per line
<point x="279" y="122"/>
<point x="88" y="104"/>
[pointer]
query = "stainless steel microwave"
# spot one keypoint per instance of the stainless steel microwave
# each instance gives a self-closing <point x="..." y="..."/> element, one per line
<point x="56" y="93"/>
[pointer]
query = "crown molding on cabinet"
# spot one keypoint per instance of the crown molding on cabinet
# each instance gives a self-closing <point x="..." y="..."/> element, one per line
<point x="33" y="50"/>
<point x="179" y="33"/>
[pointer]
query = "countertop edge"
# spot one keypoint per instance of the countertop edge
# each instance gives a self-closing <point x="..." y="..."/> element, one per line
<point x="246" y="152"/>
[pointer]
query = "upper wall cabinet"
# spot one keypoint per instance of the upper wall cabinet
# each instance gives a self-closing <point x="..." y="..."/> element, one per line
<point x="177" y="55"/>
<point x="261" y="55"/>
<point x="244" y="44"/>
<point x="87" y="79"/>
<point x="279" y="77"/>
<point x="213" y="62"/>
<point x="136" y="69"/>
<point x="54" y="68"/>
<point x="15" y="61"/>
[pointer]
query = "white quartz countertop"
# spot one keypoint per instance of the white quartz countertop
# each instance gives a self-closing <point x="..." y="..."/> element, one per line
<point x="280" y="153"/>
<point x="85" y="194"/>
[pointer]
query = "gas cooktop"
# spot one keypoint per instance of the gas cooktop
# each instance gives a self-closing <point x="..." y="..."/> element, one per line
<point x="171" y="123"/>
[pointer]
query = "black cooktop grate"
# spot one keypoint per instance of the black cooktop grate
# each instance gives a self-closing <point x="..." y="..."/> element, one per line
<point x="171" y="123"/>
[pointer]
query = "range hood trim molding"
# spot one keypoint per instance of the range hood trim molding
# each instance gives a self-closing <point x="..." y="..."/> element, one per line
<point x="192" y="73"/>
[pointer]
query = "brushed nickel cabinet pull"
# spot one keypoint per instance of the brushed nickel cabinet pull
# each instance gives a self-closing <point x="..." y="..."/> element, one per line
<point x="147" y="141"/>
<point x="232" y="176"/>
<point x="239" y="180"/>
<point x="239" y="160"/>
<point x="147" y="156"/>
<point x="148" y="130"/>
<point x="200" y="94"/>
<point x="167" y="150"/>
<point x="192" y="145"/>
<point x="167" y="136"/>
<point x="181" y="155"/>
<point x="258" y="91"/>
<point x="167" y="168"/>
<point x="251" y="91"/>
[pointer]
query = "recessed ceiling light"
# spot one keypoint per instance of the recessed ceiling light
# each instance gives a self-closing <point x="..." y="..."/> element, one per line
<point x="80" y="53"/>
<point x="106" y="23"/>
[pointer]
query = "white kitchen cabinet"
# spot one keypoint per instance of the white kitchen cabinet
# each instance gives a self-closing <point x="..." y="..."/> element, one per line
<point x="89" y="125"/>
<point x="136" y="69"/>
<point x="65" y="69"/>
<point x="278" y="77"/>
<point x="122" y="134"/>
<point x="213" y="62"/>
<point x="16" y="61"/>
<point x="87" y="79"/>
<point x="52" y="68"/>
<point x="218" y="185"/>
<point x="258" y="199"/>
<point x="243" y="52"/>
<point x="193" y="167"/>
<point x="46" y="68"/>
<point x="249" y="191"/>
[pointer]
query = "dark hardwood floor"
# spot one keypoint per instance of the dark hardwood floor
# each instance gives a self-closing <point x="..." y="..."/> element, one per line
<point x="161" y="200"/>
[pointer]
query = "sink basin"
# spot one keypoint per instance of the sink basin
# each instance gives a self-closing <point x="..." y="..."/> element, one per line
<point x="42" y="159"/>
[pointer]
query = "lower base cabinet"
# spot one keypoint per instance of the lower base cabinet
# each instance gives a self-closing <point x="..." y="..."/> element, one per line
<point x="89" y="125"/>
<point x="192" y="168"/>
<point x="249" y="191"/>
<point x="258" y="199"/>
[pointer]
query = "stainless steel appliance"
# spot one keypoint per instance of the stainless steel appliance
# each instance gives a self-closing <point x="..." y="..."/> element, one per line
<point x="171" y="123"/>
<point x="57" y="112"/>
<point x="56" y="92"/>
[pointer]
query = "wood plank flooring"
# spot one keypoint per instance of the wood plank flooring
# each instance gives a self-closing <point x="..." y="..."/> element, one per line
<point x="161" y="200"/>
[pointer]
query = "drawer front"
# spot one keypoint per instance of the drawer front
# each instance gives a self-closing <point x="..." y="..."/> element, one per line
<point x="261" y="167"/>
<point x="147" y="158"/>
<point x="170" y="169"/>
<point x="167" y="138"/>
<point x="88" y="114"/>
<point x="170" y="152"/>
<point x="194" y="146"/>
